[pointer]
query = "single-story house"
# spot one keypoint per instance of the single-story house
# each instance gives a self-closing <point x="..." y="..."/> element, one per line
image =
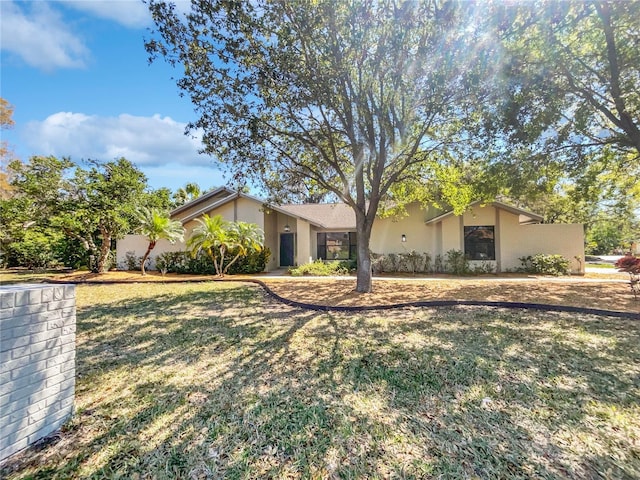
<point x="296" y="234"/>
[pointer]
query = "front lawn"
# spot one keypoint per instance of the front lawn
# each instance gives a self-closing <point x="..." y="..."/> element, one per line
<point x="215" y="380"/>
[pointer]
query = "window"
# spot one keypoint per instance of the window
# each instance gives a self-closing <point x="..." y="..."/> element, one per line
<point x="337" y="245"/>
<point x="480" y="243"/>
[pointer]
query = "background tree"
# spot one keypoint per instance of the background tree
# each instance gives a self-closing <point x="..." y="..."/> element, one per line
<point x="569" y="96"/>
<point x="353" y="97"/>
<point x="157" y="225"/>
<point x="185" y="194"/>
<point x="91" y="206"/>
<point x="6" y="155"/>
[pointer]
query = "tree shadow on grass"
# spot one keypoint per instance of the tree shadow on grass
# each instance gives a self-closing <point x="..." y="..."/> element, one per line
<point x="215" y="382"/>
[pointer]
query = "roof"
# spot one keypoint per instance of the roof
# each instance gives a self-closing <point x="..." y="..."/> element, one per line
<point x="326" y="215"/>
<point x="330" y="216"/>
<point x="222" y="195"/>
<point x="525" y="216"/>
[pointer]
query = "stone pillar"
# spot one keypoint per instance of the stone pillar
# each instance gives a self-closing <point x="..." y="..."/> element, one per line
<point x="37" y="359"/>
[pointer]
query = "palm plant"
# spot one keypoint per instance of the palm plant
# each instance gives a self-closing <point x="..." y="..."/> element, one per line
<point x="185" y="194"/>
<point x="248" y="236"/>
<point x="156" y="225"/>
<point x="215" y="236"/>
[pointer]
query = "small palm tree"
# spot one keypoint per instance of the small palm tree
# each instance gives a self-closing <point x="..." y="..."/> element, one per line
<point x="213" y="236"/>
<point x="216" y="236"/>
<point x="156" y="225"/>
<point x="248" y="237"/>
<point x="185" y="194"/>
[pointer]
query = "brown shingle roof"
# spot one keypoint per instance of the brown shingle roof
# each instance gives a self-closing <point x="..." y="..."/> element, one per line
<point x="329" y="215"/>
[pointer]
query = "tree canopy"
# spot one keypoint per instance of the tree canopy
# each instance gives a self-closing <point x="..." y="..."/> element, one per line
<point x="91" y="206"/>
<point x="352" y="98"/>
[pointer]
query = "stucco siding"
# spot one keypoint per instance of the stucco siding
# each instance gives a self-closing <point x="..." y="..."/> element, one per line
<point x="386" y="234"/>
<point x="451" y="234"/>
<point x="563" y="239"/>
<point x="303" y="254"/>
<point x="248" y="211"/>
<point x="480" y="216"/>
<point x="137" y="244"/>
<point x="271" y="238"/>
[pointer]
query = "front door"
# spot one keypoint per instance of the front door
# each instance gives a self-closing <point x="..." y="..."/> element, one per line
<point x="286" y="249"/>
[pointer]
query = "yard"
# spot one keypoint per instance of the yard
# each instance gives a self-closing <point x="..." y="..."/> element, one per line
<point x="216" y="380"/>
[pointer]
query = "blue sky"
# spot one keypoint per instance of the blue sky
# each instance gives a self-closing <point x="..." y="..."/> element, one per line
<point x="77" y="75"/>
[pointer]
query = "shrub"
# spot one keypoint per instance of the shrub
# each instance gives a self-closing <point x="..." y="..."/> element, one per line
<point x="36" y="250"/>
<point x="438" y="264"/>
<point x="629" y="264"/>
<point x="543" y="264"/>
<point x="427" y="263"/>
<point x="377" y="262"/>
<point x="410" y="262"/>
<point x="456" y="262"/>
<point x="201" y="264"/>
<point x="321" y="268"/>
<point x="131" y="262"/>
<point x="253" y="262"/>
<point x="483" y="267"/>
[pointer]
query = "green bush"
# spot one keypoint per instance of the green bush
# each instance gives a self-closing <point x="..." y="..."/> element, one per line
<point x="321" y="268"/>
<point x="36" y="250"/>
<point x="132" y="262"/>
<point x="542" y="264"/>
<point x="254" y="262"/>
<point x="201" y="264"/>
<point x="456" y="262"/>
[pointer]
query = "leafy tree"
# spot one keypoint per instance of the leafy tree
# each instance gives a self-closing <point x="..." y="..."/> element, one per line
<point x="159" y="199"/>
<point x="93" y="205"/>
<point x="353" y="98"/>
<point x="570" y="93"/>
<point x="156" y="225"/>
<point x="6" y="155"/>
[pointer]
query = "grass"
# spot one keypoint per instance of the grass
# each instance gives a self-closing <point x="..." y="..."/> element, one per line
<point x="198" y="381"/>
<point x="601" y="265"/>
<point x="8" y="277"/>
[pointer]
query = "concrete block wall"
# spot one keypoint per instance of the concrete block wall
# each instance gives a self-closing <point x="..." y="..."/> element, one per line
<point x="37" y="362"/>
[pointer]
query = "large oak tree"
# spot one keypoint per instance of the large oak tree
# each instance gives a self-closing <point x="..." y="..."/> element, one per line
<point x="353" y="98"/>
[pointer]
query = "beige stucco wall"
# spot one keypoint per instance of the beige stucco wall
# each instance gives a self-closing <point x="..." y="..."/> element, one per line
<point x="451" y="235"/>
<point x="249" y="211"/>
<point x="386" y="234"/>
<point x="271" y="238"/>
<point x="563" y="239"/>
<point x="303" y="241"/>
<point x="138" y="244"/>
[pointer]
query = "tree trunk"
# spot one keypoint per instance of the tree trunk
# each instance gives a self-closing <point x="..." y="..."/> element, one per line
<point x="144" y="258"/>
<point x="105" y="248"/>
<point x="363" y="283"/>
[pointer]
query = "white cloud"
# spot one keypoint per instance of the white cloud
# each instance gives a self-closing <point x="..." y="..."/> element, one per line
<point x="147" y="141"/>
<point x="130" y="13"/>
<point x="40" y="36"/>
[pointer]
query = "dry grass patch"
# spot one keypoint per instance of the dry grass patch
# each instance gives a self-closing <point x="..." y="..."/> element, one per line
<point x="604" y="295"/>
<point x="217" y="381"/>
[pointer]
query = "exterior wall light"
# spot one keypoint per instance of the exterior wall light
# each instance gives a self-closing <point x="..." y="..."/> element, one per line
<point x="287" y="228"/>
<point x="404" y="237"/>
